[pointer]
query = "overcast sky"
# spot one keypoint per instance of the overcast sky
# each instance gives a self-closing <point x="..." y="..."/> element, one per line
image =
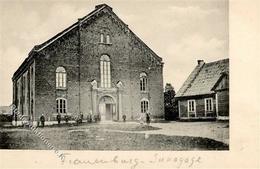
<point x="181" y="32"/>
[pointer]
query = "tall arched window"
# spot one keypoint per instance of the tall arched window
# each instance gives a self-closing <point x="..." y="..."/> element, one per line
<point x="105" y="72"/>
<point x="143" y="82"/>
<point x="101" y="38"/>
<point x="61" y="104"/>
<point x="108" y="39"/>
<point x="61" y="77"/>
<point x="144" y="105"/>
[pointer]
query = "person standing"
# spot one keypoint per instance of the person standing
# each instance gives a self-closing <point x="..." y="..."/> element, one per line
<point x="81" y="117"/>
<point x="58" y="118"/>
<point x="66" y="118"/>
<point x="124" y="118"/>
<point x="42" y="119"/>
<point x="148" y="118"/>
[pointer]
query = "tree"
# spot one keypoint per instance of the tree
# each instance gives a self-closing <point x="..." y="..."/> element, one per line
<point x="169" y="94"/>
<point x="170" y="104"/>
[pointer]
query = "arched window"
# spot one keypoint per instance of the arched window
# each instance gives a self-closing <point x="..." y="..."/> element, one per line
<point x="144" y="105"/>
<point x="108" y="39"/>
<point x="61" y="77"/>
<point x="105" y="72"/>
<point x="101" y="38"/>
<point x="61" y="104"/>
<point x="143" y="82"/>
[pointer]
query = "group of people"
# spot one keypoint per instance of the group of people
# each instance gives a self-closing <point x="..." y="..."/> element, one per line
<point x="79" y="119"/>
<point x="144" y="118"/>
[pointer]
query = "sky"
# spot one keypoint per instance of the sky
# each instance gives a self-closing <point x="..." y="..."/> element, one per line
<point x="179" y="31"/>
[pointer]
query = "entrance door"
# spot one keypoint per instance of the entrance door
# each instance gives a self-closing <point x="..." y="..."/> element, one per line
<point x="107" y="108"/>
<point x="108" y="111"/>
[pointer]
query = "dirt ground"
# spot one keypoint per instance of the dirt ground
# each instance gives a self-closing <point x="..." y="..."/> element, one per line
<point x="218" y="131"/>
<point x="121" y="136"/>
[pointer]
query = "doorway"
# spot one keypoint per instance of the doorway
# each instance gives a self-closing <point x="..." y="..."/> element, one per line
<point x="107" y="108"/>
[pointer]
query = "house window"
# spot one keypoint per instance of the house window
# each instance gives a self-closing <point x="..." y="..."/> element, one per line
<point x="105" y="71"/>
<point x="108" y="39"/>
<point x="209" y="104"/>
<point x="143" y="82"/>
<point x="191" y="106"/>
<point x="61" y="105"/>
<point x="101" y="38"/>
<point x="144" y="106"/>
<point x="60" y="77"/>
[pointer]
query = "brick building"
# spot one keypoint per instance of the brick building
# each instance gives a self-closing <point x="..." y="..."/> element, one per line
<point x="205" y="93"/>
<point x="95" y="66"/>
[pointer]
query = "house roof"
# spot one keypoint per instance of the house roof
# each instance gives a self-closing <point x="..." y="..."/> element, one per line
<point x="203" y="78"/>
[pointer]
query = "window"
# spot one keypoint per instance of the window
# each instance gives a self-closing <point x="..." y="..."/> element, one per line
<point x="108" y="39"/>
<point x="191" y="106"/>
<point x="61" y="105"/>
<point x="105" y="71"/>
<point x="60" y="77"/>
<point x="209" y="104"/>
<point x="144" y="106"/>
<point x="143" y="82"/>
<point x="102" y="38"/>
<point x="105" y="38"/>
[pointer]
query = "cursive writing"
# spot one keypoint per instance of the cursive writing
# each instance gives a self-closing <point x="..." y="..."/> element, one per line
<point x="133" y="163"/>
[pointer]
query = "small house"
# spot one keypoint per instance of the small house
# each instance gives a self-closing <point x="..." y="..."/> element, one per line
<point x="205" y="93"/>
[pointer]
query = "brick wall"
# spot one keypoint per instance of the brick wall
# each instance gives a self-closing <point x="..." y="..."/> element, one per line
<point x="62" y="52"/>
<point x="129" y="57"/>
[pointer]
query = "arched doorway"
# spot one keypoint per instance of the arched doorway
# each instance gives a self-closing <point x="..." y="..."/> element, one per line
<point x="107" y="108"/>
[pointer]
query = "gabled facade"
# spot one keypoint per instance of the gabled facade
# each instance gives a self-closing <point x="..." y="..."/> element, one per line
<point x="96" y="66"/>
<point x="205" y="93"/>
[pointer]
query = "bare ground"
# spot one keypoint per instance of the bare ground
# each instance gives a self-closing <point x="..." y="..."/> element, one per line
<point x="118" y="136"/>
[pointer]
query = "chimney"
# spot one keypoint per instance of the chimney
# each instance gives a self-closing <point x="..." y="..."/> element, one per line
<point x="200" y="62"/>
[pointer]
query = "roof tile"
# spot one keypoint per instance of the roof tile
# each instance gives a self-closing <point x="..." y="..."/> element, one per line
<point x="201" y="82"/>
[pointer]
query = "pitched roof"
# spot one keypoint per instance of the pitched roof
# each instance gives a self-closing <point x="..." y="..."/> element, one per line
<point x="50" y="41"/>
<point x="98" y="9"/>
<point x="203" y="78"/>
<point x="38" y="48"/>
